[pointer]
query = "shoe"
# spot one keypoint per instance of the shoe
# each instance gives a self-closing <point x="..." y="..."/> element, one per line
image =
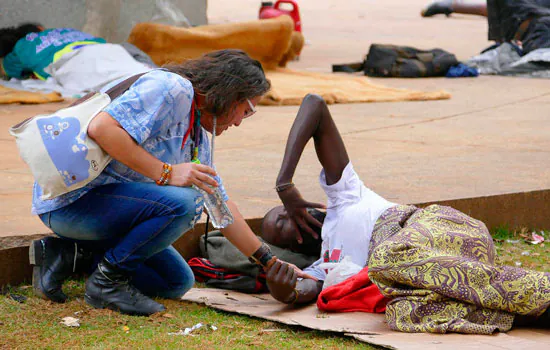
<point x="109" y="287"/>
<point x="55" y="260"/>
<point x="438" y="7"/>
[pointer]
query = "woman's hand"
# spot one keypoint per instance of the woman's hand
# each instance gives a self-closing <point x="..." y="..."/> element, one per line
<point x="281" y="280"/>
<point x="187" y="174"/>
<point x="296" y="208"/>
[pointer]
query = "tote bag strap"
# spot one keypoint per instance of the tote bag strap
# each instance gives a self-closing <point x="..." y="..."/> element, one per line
<point x="113" y="92"/>
<point x="121" y="87"/>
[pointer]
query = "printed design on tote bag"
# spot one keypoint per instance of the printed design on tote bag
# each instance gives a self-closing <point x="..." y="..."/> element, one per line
<point x="65" y="147"/>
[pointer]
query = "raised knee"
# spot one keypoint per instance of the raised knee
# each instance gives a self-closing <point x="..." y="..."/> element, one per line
<point x="185" y="203"/>
<point x="314" y="99"/>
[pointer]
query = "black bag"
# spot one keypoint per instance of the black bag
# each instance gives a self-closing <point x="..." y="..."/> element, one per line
<point x="401" y="61"/>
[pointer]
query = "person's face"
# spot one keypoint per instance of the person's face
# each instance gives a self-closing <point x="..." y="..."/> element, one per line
<point x="277" y="229"/>
<point x="240" y="111"/>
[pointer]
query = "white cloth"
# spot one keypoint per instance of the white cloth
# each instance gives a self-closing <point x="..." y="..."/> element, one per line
<point x="46" y="86"/>
<point x="352" y="212"/>
<point x="505" y="60"/>
<point x="92" y="66"/>
<point x="89" y="68"/>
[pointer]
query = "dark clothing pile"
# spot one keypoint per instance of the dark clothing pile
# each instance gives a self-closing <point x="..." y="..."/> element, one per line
<point x="507" y="22"/>
<point x="521" y="29"/>
<point x="395" y="61"/>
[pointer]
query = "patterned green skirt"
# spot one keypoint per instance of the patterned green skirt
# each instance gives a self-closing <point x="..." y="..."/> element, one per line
<point x="437" y="265"/>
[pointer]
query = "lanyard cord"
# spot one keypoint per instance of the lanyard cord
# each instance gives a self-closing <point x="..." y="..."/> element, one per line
<point x="212" y="141"/>
<point x="212" y="165"/>
<point x="195" y="125"/>
<point x="197" y="131"/>
<point x="191" y="121"/>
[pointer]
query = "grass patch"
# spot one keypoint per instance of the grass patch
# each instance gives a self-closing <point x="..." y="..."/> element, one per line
<point x="35" y="323"/>
<point x="514" y="249"/>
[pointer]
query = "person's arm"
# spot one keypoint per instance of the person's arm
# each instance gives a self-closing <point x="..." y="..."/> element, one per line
<point x="312" y="121"/>
<point x="242" y="237"/>
<point x="111" y="137"/>
<point x="283" y="284"/>
<point x="239" y="233"/>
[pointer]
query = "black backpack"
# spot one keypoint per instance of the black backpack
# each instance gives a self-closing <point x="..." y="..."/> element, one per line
<point x="401" y="61"/>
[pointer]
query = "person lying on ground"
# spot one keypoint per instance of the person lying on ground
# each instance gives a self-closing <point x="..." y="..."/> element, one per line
<point x="78" y="61"/>
<point x="28" y="49"/>
<point x="436" y="265"/>
<point x="129" y="216"/>
<point x="526" y="22"/>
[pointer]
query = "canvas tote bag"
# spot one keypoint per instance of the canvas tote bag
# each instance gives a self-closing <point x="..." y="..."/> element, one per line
<point x="57" y="148"/>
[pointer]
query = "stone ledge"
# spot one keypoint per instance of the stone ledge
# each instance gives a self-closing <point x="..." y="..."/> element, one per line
<point x="514" y="210"/>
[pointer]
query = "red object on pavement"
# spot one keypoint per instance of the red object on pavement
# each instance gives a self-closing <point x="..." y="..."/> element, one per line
<point x="356" y="293"/>
<point x="268" y="10"/>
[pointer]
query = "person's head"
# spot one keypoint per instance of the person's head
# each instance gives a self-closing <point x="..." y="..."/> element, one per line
<point x="277" y="230"/>
<point x="228" y="84"/>
<point x="11" y="35"/>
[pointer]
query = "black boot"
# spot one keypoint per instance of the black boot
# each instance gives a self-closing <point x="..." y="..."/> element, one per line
<point x="438" y="7"/>
<point x="54" y="261"/>
<point x="109" y="287"/>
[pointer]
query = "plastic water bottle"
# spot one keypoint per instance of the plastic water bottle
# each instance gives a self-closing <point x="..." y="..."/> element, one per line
<point x="217" y="209"/>
<point x="220" y="215"/>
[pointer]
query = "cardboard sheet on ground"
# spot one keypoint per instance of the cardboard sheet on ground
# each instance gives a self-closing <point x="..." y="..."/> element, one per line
<point x="369" y="328"/>
<point x="8" y="95"/>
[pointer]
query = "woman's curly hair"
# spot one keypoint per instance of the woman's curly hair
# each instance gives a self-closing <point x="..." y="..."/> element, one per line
<point x="224" y="77"/>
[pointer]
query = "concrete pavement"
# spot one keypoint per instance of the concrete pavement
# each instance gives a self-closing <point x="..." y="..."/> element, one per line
<point x="490" y="138"/>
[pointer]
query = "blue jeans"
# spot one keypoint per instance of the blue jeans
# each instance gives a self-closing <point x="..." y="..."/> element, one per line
<point x="134" y="225"/>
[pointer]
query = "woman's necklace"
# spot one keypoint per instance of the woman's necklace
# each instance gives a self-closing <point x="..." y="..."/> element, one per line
<point x="197" y="131"/>
<point x="194" y="129"/>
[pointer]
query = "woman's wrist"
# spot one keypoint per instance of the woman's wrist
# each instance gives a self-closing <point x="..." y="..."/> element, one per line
<point x="165" y="175"/>
<point x="263" y="256"/>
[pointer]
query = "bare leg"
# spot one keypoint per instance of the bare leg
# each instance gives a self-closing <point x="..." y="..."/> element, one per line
<point x="470" y="7"/>
<point x="446" y="7"/>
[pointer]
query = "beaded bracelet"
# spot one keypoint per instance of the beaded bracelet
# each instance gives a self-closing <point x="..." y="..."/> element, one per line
<point x="166" y="175"/>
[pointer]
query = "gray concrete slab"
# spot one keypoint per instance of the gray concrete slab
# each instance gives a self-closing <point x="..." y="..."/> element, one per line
<point x="109" y="19"/>
<point x="490" y="138"/>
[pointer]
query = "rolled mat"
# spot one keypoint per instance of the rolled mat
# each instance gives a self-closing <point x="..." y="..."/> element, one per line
<point x="8" y="95"/>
